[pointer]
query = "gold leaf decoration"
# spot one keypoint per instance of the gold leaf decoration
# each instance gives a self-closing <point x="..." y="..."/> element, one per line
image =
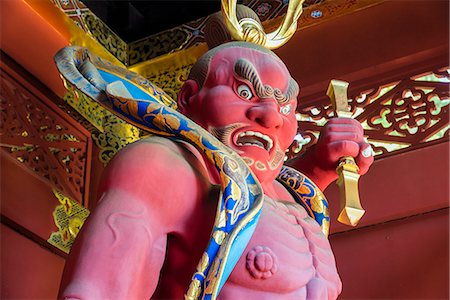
<point x="112" y="133"/>
<point x="203" y="263"/>
<point x="194" y="290"/>
<point x="219" y="236"/>
<point x="69" y="217"/>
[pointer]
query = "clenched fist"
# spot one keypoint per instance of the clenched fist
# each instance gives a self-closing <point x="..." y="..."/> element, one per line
<point x="339" y="137"/>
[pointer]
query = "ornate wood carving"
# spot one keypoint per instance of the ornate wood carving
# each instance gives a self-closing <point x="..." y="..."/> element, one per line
<point x="42" y="139"/>
<point x="409" y="112"/>
<point x="171" y="80"/>
<point x="105" y="36"/>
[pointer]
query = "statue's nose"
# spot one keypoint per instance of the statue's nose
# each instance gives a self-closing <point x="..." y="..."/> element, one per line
<point x="265" y="114"/>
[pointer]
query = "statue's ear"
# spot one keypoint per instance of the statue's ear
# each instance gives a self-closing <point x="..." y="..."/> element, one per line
<point x="186" y="95"/>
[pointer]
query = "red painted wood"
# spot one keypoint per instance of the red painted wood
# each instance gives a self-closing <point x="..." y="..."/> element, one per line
<point x="32" y="84"/>
<point x="404" y="259"/>
<point x="18" y="82"/>
<point x="28" y="270"/>
<point x="31" y="41"/>
<point x="399" y="186"/>
<point x="26" y="199"/>
<point x="97" y="169"/>
<point x="391" y="36"/>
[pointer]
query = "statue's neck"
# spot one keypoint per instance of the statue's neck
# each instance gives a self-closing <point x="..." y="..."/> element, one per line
<point x="268" y="182"/>
<point x="269" y="189"/>
<point x="267" y="179"/>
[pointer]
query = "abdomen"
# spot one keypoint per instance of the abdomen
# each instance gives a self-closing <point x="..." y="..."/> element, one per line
<point x="287" y="257"/>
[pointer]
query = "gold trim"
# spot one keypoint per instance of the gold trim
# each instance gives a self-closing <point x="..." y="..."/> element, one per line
<point x="69" y="217"/>
<point x="106" y="37"/>
<point x="171" y="61"/>
<point x="169" y="72"/>
<point x="68" y="29"/>
<point x="112" y="133"/>
<point x="116" y="135"/>
<point x="160" y="44"/>
<point x="91" y="111"/>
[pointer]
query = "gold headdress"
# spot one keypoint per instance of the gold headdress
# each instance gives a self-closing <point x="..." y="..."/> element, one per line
<point x="251" y="30"/>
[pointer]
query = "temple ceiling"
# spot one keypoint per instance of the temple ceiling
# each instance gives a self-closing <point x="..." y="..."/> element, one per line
<point x="138" y="32"/>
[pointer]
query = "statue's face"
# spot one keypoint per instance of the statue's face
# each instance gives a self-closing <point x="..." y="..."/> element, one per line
<point x="248" y="102"/>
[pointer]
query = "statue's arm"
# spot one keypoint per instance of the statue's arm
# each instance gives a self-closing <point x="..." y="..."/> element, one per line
<point x="121" y="248"/>
<point x="339" y="137"/>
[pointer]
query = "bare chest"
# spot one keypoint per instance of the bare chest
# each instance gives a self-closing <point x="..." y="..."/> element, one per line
<point x="286" y="252"/>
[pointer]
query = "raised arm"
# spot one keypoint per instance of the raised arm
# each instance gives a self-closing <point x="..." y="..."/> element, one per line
<point x="121" y="248"/>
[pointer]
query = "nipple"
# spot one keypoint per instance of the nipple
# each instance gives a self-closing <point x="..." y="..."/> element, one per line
<point x="261" y="262"/>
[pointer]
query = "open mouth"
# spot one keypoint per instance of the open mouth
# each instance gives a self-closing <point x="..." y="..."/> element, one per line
<point x="252" y="138"/>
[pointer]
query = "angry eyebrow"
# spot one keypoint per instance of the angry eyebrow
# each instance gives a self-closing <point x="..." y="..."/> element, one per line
<point x="246" y="70"/>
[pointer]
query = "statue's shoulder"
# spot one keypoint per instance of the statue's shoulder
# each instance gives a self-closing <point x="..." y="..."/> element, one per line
<point x="155" y="172"/>
<point x="155" y="156"/>
<point x="156" y="151"/>
<point x="156" y="159"/>
<point x="181" y="153"/>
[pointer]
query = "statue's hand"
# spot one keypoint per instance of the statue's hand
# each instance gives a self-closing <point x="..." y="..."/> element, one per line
<point x="339" y="137"/>
<point x="342" y="137"/>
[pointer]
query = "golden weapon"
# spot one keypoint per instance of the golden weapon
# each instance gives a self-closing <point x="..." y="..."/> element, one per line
<point x="251" y="30"/>
<point x="351" y="210"/>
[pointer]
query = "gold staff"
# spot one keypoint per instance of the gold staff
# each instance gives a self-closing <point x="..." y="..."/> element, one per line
<point x="351" y="210"/>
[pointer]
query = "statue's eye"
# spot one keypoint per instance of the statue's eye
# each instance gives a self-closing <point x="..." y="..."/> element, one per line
<point x="286" y="109"/>
<point x="244" y="92"/>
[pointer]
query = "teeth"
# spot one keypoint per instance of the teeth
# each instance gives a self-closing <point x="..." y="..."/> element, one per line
<point x="248" y="133"/>
<point x="258" y="134"/>
<point x="250" y="144"/>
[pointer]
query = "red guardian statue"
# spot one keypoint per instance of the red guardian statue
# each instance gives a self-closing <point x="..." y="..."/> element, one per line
<point x="158" y="196"/>
<point x="158" y="208"/>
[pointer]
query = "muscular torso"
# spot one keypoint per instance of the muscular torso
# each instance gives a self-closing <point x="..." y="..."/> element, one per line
<point x="143" y="223"/>
<point x="287" y="257"/>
